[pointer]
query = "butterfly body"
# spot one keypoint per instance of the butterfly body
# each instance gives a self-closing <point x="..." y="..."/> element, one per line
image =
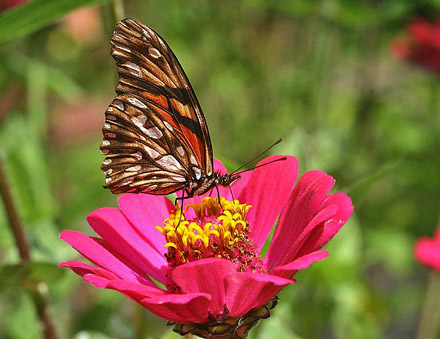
<point x="156" y="139"/>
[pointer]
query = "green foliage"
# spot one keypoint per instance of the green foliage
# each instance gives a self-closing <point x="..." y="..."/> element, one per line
<point x="319" y="74"/>
<point x="36" y="14"/>
<point x="28" y="275"/>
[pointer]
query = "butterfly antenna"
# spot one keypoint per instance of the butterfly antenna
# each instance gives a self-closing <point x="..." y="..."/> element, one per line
<point x="256" y="157"/>
<point x="267" y="163"/>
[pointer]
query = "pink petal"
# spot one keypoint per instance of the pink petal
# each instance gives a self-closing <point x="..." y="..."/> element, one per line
<point x="145" y="212"/>
<point x="289" y="270"/>
<point x="95" y="275"/>
<point x="180" y="308"/>
<point x="267" y="191"/>
<point x="309" y="219"/>
<point x="101" y="256"/>
<point x="219" y="167"/>
<point x="245" y="291"/>
<point x="95" y="280"/>
<point x="116" y="231"/>
<point x="344" y="207"/>
<point x="206" y="276"/>
<point x="134" y="290"/>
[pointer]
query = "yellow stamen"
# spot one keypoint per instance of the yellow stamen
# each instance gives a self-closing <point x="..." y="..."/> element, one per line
<point x="212" y="231"/>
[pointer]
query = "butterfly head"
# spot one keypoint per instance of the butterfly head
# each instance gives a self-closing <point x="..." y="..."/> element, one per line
<point x="226" y="180"/>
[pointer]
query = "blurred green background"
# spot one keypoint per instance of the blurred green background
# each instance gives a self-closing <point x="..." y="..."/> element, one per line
<point x="319" y="74"/>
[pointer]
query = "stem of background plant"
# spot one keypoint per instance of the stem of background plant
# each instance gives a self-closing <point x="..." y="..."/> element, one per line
<point x="140" y="322"/>
<point x="430" y="316"/>
<point x="118" y="10"/>
<point x="39" y="294"/>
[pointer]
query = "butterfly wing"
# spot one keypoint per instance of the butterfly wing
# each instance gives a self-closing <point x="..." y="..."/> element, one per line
<point x="155" y="136"/>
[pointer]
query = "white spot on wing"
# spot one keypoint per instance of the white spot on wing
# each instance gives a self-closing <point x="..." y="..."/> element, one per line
<point x="178" y="178"/>
<point x="198" y="172"/>
<point x="110" y="135"/>
<point x="139" y="121"/>
<point x="154" y="52"/>
<point x="146" y="33"/>
<point x="162" y="43"/>
<point x="134" y="168"/>
<point x="181" y="151"/>
<point x="193" y="160"/>
<point x="107" y="161"/>
<point x="137" y="103"/>
<point x="127" y="182"/>
<point x="152" y="153"/>
<point x="125" y="49"/>
<point x="137" y="155"/>
<point x="168" y="126"/>
<point x="154" y="133"/>
<point x="107" y="180"/>
<point x="152" y="187"/>
<point x="110" y="109"/>
<point x="134" y="68"/>
<point x="108" y="172"/>
<point x="108" y="126"/>
<point x="169" y="162"/>
<point x="210" y="172"/>
<point x="119" y="105"/>
<point x="105" y="143"/>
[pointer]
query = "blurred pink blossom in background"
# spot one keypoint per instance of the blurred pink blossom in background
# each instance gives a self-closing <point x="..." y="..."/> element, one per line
<point x="421" y="45"/>
<point x="427" y="251"/>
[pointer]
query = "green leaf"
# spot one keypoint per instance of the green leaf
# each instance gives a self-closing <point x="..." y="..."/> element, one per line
<point x="27" y="275"/>
<point x="36" y="14"/>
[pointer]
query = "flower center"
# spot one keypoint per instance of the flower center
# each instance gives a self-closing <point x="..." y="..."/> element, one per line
<point x="216" y="230"/>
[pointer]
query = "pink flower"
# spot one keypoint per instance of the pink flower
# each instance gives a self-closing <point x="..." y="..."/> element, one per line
<point x="427" y="251"/>
<point x="421" y="46"/>
<point x="211" y="265"/>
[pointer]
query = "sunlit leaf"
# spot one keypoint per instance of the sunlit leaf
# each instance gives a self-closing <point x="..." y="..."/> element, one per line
<point x="36" y="14"/>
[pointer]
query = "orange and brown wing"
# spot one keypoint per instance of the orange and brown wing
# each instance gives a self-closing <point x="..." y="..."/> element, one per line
<point x="143" y="153"/>
<point x="154" y="98"/>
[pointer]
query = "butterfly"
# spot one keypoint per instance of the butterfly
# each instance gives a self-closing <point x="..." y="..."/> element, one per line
<point x="155" y="137"/>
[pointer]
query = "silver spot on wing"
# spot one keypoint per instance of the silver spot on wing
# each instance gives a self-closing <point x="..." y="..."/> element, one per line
<point x="137" y="103"/>
<point x="154" y="53"/>
<point x="169" y="162"/>
<point x="134" y="168"/>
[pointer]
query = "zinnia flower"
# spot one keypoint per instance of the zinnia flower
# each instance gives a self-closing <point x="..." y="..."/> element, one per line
<point x="208" y="260"/>
<point x="421" y="46"/>
<point x="427" y="251"/>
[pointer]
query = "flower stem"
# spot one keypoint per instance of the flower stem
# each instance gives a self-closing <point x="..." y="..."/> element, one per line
<point x="431" y="310"/>
<point x="39" y="295"/>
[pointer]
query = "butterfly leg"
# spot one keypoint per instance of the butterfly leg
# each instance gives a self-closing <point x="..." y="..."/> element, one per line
<point x="232" y="194"/>
<point x="181" y="206"/>
<point x="218" y="197"/>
